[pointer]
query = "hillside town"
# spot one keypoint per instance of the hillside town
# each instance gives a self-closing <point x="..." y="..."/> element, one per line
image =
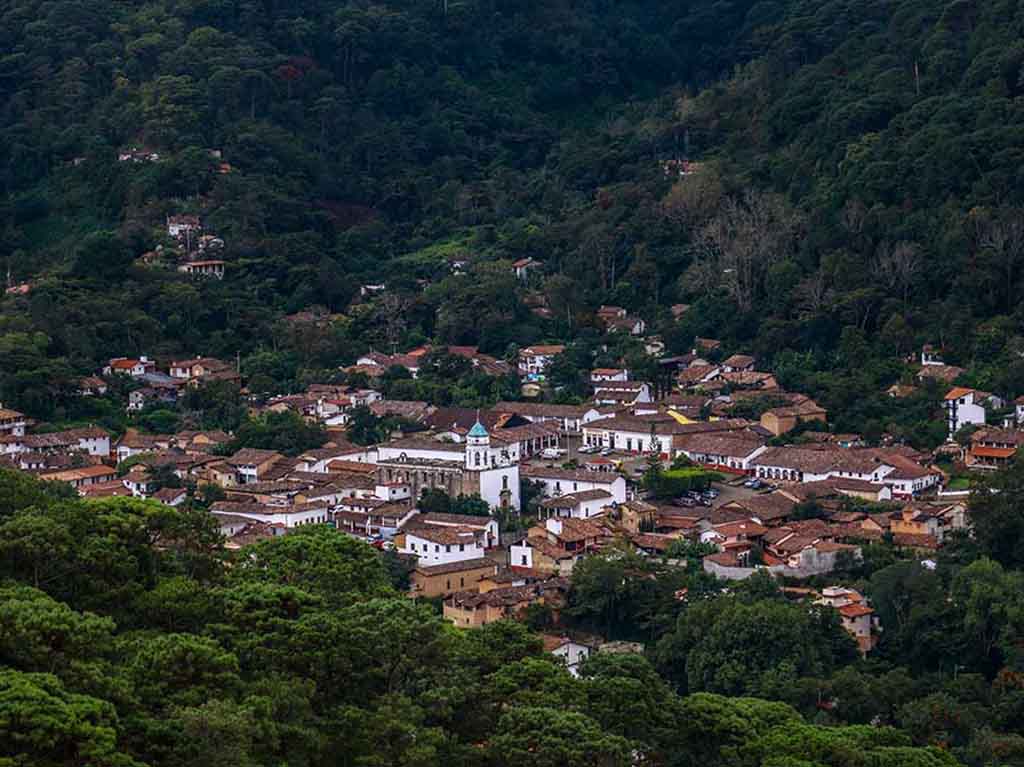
<point x="713" y="455"/>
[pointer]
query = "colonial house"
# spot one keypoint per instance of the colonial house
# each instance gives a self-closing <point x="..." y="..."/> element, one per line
<point x="182" y="226"/>
<point x="473" y="609"/>
<point x="280" y="516"/>
<point x="802" y="464"/>
<point x="967" y="406"/>
<point x="738" y="363"/>
<point x="581" y="505"/>
<point x="555" y="482"/>
<point x="252" y="465"/>
<point x="557" y="545"/>
<point x="570" y="418"/>
<point x="726" y="451"/>
<point x="780" y="420"/>
<point x="993" y="448"/>
<point x="931" y="519"/>
<point x="82" y="476"/>
<point x="487" y="527"/>
<point x="90" y="440"/>
<point x="604" y="375"/>
<point x="208" y="268"/>
<point x="442" y="580"/>
<point x="12" y="423"/>
<point x="856" y="615"/>
<point x="201" y="368"/>
<point x="132" y="367"/>
<point x="441" y="544"/>
<point x="570" y="652"/>
<point x="622" y="393"/>
<point x="630" y="433"/>
<point x="534" y="360"/>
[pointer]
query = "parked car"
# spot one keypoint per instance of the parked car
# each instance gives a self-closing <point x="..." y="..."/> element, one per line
<point x="587" y="449"/>
<point x="753" y="484"/>
<point x="607" y="451"/>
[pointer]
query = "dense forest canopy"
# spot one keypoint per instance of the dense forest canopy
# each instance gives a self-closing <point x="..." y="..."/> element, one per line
<point x="129" y="636"/>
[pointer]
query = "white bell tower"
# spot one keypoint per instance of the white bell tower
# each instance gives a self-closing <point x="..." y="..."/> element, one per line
<point x="478" y="447"/>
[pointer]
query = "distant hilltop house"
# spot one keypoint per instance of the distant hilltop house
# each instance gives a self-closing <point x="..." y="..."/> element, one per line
<point x="138" y="154"/>
<point x="534" y="360"/>
<point x="680" y="168"/>
<point x="181" y="226"/>
<point x="523" y="266"/>
<point x="966" y="406"/>
<point x="129" y="366"/>
<point x="210" y="268"/>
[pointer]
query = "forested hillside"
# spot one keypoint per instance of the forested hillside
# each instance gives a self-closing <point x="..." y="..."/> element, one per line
<point x="858" y="188"/>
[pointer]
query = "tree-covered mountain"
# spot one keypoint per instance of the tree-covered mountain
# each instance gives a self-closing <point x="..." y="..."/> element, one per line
<point x="856" y="185"/>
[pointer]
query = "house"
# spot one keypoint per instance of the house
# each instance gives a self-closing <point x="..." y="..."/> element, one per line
<point x="252" y="465"/>
<point x="738" y="363"/>
<point x="604" y="375"/>
<point x="622" y="393"/>
<point x="581" y="505"/>
<point x="523" y="266"/>
<point x="556" y="482"/>
<point x="637" y="434"/>
<point x="570" y="652"/>
<point x="12" y="423"/>
<point x="557" y="545"/>
<point x="182" y="226"/>
<point x="966" y="406"/>
<point x="200" y="367"/>
<point x="628" y="324"/>
<point x="705" y="345"/>
<point x="568" y="417"/>
<point x="279" y="516"/>
<point x="171" y="496"/>
<point x="608" y="313"/>
<point x="534" y="360"/>
<point x="82" y="476"/>
<point x="804" y="464"/>
<point x="443" y="580"/>
<point x="936" y="519"/>
<point x="780" y="420"/>
<point x="441" y="544"/>
<point x="856" y="615"/>
<point x="210" y="268"/>
<point x="128" y="366"/>
<point x="993" y="448"/>
<point x="91" y="440"/>
<point x="486" y="526"/>
<point x="931" y="355"/>
<point x="134" y="443"/>
<point x="138" y="154"/>
<point x="726" y="451"/>
<point x="90" y="386"/>
<point x="473" y="609"/>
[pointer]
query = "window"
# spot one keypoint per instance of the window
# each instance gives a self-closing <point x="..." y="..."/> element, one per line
<point x="412" y="547"/>
<point x="448" y="549"/>
<point x="462" y="547"/>
<point x="477" y="459"/>
<point x="629" y="444"/>
<point x="436" y="548"/>
<point x="449" y="586"/>
<point x="504" y="482"/>
<point x="523" y="562"/>
<point x="462" y="581"/>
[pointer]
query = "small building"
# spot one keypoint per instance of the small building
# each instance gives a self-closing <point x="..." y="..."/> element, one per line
<point x="443" y="580"/>
<point x="534" y="360"/>
<point x="213" y="268"/>
<point x="523" y="266"/>
<point x="780" y="420"/>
